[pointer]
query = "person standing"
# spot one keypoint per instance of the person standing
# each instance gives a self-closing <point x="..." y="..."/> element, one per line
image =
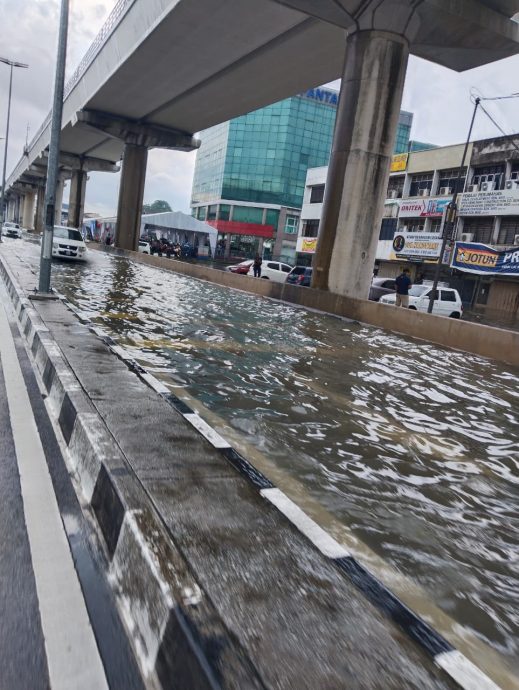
<point x="257" y="266"/>
<point x="403" y="283"/>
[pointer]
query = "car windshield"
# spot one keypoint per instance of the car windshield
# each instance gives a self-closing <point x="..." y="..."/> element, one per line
<point x="67" y="234"/>
<point x="418" y="290"/>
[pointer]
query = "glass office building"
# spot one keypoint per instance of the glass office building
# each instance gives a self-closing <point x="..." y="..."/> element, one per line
<point x="250" y="172"/>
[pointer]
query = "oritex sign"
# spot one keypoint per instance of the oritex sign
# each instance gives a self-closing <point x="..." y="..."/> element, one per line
<point x="423" y="208"/>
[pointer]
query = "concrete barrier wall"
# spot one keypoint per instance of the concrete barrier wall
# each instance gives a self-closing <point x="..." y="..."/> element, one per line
<point x="486" y="341"/>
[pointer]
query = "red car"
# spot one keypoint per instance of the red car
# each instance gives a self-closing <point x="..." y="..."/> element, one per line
<point x="242" y="268"/>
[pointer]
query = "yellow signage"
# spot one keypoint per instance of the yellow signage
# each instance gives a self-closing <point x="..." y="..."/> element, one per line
<point x="399" y="162"/>
<point x="309" y="244"/>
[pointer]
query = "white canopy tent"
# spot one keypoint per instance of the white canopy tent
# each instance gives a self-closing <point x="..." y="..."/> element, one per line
<point x="178" y="226"/>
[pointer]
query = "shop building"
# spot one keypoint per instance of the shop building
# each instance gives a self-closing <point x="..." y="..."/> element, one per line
<point x="250" y="172"/>
<point x="420" y="186"/>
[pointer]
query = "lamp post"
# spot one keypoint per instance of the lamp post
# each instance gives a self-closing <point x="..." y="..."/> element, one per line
<point x="53" y="162"/>
<point x="11" y="64"/>
<point x="451" y="213"/>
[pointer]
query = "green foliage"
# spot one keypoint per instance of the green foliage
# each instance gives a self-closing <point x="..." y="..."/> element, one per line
<point x="158" y="206"/>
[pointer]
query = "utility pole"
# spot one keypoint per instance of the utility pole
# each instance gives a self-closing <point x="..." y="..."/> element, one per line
<point x="11" y="64"/>
<point x="53" y="161"/>
<point x="451" y="213"/>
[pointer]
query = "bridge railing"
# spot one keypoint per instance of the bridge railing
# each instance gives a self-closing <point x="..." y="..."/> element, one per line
<point x="104" y="34"/>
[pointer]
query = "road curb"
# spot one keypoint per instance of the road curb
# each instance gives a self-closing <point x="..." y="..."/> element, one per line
<point x="176" y="619"/>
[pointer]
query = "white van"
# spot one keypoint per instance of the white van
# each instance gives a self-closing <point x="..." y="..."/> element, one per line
<point x="447" y="301"/>
<point x="68" y="243"/>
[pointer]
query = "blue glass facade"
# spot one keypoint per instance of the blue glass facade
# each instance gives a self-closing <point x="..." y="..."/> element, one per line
<point x="262" y="157"/>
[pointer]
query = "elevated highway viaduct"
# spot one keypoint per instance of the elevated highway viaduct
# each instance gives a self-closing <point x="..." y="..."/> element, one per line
<point x="161" y="70"/>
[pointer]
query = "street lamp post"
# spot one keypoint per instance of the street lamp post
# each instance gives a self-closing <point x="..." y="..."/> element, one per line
<point x="53" y="162"/>
<point x="11" y="64"/>
<point x="451" y="214"/>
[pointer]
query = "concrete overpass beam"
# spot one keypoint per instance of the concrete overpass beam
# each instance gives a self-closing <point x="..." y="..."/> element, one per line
<point x="76" y="204"/>
<point x="131" y="194"/>
<point x="28" y="211"/>
<point x="364" y="137"/>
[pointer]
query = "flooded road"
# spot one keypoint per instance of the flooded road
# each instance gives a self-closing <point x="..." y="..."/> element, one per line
<point x="414" y="447"/>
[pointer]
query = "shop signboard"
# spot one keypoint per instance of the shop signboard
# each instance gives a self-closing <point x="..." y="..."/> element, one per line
<point x="417" y="245"/>
<point x="306" y="245"/>
<point x="501" y="202"/>
<point x="485" y="260"/>
<point x="399" y="162"/>
<point x="424" y="208"/>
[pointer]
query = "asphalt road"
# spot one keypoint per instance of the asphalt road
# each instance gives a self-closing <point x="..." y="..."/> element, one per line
<point x="58" y="623"/>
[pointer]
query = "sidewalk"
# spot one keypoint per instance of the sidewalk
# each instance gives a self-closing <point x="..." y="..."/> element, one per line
<point x="203" y="565"/>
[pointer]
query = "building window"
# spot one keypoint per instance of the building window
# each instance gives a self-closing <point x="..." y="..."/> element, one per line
<point x="224" y="212"/>
<point x="421" y="182"/>
<point x="247" y="214"/>
<point x="211" y="212"/>
<point x="291" y="224"/>
<point x="201" y="212"/>
<point x="493" y="174"/>
<point x="436" y="225"/>
<point x="413" y="225"/>
<point x="317" y="194"/>
<point x="508" y="231"/>
<point x="481" y="228"/>
<point x="310" y="228"/>
<point x="387" y="228"/>
<point x="272" y="217"/>
<point x="395" y="187"/>
<point x="448" y="179"/>
<point x="514" y="173"/>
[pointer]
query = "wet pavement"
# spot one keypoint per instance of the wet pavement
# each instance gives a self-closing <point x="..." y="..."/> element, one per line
<point x="415" y="448"/>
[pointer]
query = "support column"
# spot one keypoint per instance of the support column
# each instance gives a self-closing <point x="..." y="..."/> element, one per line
<point x="364" y="137"/>
<point x="227" y="250"/>
<point x="40" y="210"/>
<point x="76" y="203"/>
<point x="131" y="193"/>
<point x="59" y="201"/>
<point x="28" y="211"/>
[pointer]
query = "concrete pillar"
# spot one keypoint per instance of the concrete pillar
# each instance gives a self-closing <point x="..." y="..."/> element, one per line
<point x="59" y="201"/>
<point x="40" y="210"/>
<point x="76" y="203"/>
<point x="28" y="211"/>
<point x="364" y="137"/>
<point x="227" y="250"/>
<point x="131" y="192"/>
<point x="21" y="206"/>
<point x="496" y="229"/>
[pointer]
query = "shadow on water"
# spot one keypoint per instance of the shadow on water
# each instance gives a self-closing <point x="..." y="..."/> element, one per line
<point x="416" y="448"/>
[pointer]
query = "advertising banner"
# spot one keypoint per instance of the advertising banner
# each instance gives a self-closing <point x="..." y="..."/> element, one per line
<point x="479" y="258"/>
<point x="399" y="162"/>
<point x="307" y="244"/>
<point x="424" y="208"/>
<point x="417" y="245"/>
<point x="504" y="202"/>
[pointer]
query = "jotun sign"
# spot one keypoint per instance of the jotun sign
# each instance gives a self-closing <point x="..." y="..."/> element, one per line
<point x="482" y="259"/>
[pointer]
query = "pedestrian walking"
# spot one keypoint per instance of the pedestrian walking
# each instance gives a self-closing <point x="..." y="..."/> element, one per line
<point x="403" y="283"/>
<point x="257" y="266"/>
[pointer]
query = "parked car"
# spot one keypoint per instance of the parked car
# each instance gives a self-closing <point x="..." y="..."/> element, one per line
<point x="11" y="230"/>
<point x="243" y="267"/>
<point x="300" y="275"/>
<point x="275" y="270"/>
<point x="144" y="247"/>
<point x="68" y="243"/>
<point x="380" y="287"/>
<point x="446" y="303"/>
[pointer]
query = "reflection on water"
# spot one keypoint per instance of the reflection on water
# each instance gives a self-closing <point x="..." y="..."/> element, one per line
<point x="415" y="447"/>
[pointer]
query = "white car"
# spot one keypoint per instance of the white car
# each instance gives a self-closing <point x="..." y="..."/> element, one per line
<point x="447" y="302"/>
<point x="68" y="243"/>
<point x="11" y="230"/>
<point x="144" y="247"/>
<point x="274" y="270"/>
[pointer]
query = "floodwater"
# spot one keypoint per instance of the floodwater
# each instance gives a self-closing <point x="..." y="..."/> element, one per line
<point x="414" y="447"/>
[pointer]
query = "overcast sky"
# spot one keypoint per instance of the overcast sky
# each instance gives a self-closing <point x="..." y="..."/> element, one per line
<point x="438" y="97"/>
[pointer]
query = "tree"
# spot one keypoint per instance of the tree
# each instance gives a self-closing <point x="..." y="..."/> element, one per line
<point x="158" y="206"/>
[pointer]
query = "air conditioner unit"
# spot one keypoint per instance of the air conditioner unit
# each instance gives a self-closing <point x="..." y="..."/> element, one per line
<point x="445" y="190"/>
<point x="473" y="188"/>
<point x="467" y="237"/>
<point x="393" y="194"/>
<point x="488" y="186"/>
<point x="423" y="192"/>
<point x="516" y="240"/>
<point x="512" y="184"/>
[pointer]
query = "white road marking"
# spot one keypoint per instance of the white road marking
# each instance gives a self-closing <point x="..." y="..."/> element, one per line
<point x="319" y="538"/>
<point x="72" y="655"/>
<point x="203" y="427"/>
<point x="464" y="672"/>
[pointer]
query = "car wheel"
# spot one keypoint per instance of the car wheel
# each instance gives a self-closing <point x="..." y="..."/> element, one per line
<point x="265" y="277"/>
<point x="413" y="308"/>
<point x="455" y="315"/>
